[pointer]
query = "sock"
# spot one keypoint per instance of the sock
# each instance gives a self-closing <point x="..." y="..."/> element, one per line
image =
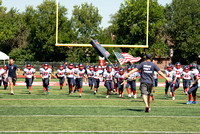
<point x="44" y="88"/>
<point x="174" y="88"/>
<point x="60" y="87"/>
<point x="195" y="98"/>
<point x="11" y="91"/>
<point x="152" y="96"/>
<point x="128" y="90"/>
<point x="134" y="92"/>
<point x="165" y="92"/>
<point x="190" y="97"/>
<point x="173" y="94"/>
<point x="91" y="87"/>
<point x="47" y="89"/>
<point x="131" y="91"/>
<point x="95" y="89"/>
<point x="186" y="90"/>
<point x="107" y="92"/>
<point x="80" y="91"/>
<point x="71" y="88"/>
<point x="29" y="88"/>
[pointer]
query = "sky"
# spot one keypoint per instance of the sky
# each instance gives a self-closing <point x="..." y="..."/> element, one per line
<point x="106" y="7"/>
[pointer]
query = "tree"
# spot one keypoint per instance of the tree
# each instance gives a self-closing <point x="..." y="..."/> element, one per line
<point x="129" y="25"/>
<point x="86" y="22"/>
<point x="183" y="29"/>
<point x="42" y="25"/>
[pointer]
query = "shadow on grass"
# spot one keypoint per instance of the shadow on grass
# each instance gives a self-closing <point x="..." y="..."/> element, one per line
<point x="136" y="110"/>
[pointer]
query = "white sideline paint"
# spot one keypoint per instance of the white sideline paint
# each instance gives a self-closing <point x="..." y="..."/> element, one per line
<point x="20" y="83"/>
<point x="164" y="132"/>
<point x="86" y="106"/>
<point x="99" y="116"/>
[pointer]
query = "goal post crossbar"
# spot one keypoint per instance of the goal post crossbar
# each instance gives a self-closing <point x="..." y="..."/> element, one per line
<point x="104" y="45"/>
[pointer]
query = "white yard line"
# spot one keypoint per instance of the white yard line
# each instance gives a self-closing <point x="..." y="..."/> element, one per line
<point x="100" y="116"/>
<point x="92" y="106"/>
<point x="164" y="132"/>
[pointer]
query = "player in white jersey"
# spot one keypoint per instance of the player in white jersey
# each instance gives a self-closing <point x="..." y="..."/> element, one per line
<point x="178" y="71"/>
<point x="131" y="81"/>
<point x="170" y="74"/>
<point x="80" y="74"/>
<point x="29" y="73"/>
<point x="121" y="80"/>
<point x="2" y="75"/>
<point x="186" y="79"/>
<point x="61" y="75"/>
<point x="45" y="73"/>
<point x="90" y="76"/>
<point x="155" y="82"/>
<point x="108" y="77"/>
<point x="70" y="77"/>
<point x="194" y="85"/>
<point x="97" y="74"/>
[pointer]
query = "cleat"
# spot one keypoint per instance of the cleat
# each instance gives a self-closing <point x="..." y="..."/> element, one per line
<point x="189" y="102"/>
<point x="154" y="91"/>
<point x="173" y="98"/>
<point x="48" y="93"/>
<point x="107" y="96"/>
<point x="165" y="96"/>
<point x="74" y="91"/>
<point x="129" y="96"/>
<point x="135" y="96"/>
<point x="186" y="93"/>
<point x="153" y="99"/>
<point x="12" y="93"/>
<point x="120" y="96"/>
<point x="79" y="95"/>
<point x="95" y="92"/>
<point x="147" y="109"/>
<point x="194" y="102"/>
<point x="29" y="93"/>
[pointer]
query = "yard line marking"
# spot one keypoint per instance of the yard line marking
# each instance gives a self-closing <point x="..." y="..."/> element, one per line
<point x="177" y="132"/>
<point x="119" y="99"/>
<point x="92" y="106"/>
<point x="100" y="116"/>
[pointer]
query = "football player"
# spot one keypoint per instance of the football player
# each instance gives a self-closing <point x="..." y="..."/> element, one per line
<point x="131" y="81"/>
<point x="121" y="80"/>
<point x="108" y="77"/>
<point x="90" y="76"/>
<point x="61" y="75"/>
<point x="186" y="79"/>
<point x="97" y="74"/>
<point x="194" y="85"/>
<point x="155" y="83"/>
<point x="171" y="74"/>
<point x="2" y="75"/>
<point x="178" y="71"/>
<point x="70" y="77"/>
<point x="45" y="73"/>
<point x="116" y="71"/>
<point x="5" y="79"/>
<point x="29" y="74"/>
<point x="80" y="74"/>
<point x="34" y="76"/>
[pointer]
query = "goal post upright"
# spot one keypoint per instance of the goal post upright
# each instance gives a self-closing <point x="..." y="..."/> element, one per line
<point x="104" y="45"/>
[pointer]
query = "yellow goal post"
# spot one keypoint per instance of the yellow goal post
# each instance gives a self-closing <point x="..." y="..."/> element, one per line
<point x="104" y="45"/>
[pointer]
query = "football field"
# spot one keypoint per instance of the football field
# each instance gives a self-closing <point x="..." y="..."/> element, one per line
<point x="59" y="112"/>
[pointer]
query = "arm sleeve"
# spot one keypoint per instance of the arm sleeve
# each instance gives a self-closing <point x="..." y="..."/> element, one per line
<point x="139" y="67"/>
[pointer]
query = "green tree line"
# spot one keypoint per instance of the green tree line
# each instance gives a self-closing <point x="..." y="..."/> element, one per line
<point x="30" y="35"/>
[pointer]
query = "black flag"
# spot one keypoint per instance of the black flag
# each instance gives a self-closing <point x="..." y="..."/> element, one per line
<point x="99" y="49"/>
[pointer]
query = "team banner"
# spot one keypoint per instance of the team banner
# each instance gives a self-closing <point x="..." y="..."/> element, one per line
<point x="99" y="49"/>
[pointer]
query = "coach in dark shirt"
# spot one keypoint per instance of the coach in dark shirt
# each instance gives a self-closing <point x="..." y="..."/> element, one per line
<point x="12" y="75"/>
<point x="147" y="71"/>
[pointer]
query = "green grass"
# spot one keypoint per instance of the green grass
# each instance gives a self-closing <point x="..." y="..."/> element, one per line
<point x="59" y="112"/>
